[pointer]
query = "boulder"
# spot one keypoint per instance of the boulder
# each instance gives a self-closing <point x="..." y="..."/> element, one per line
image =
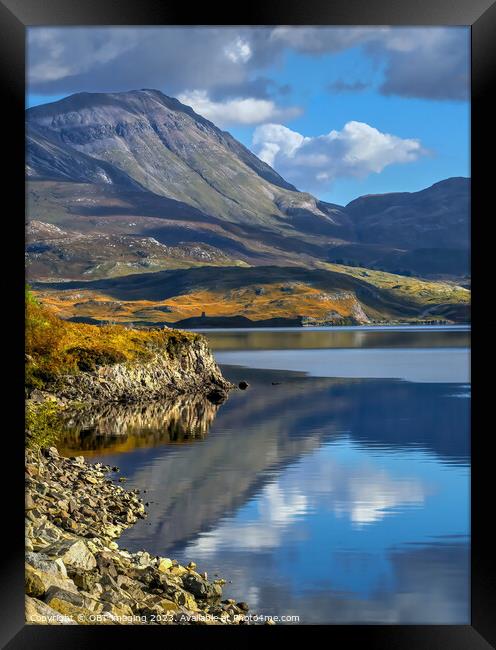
<point x="181" y="597"/>
<point x="144" y="558"/>
<point x="82" y="615"/>
<point x="39" y="613"/>
<point x="132" y="587"/>
<point x="164" y="564"/>
<point x="73" y="553"/>
<point x="217" y="395"/>
<point x="196" y="586"/>
<point x="201" y="588"/>
<point x="55" y="596"/>
<point x="38" y="582"/>
<point x="85" y="580"/>
<point x="46" y="563"/>
<point x="168" y="605"/>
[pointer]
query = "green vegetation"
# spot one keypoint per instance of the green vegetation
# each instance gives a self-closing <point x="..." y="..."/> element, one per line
<point x="43" y="424"/>
<point x="55" y="347"/>
<point x="260" y="293"/>
<point x="423" y="292"/>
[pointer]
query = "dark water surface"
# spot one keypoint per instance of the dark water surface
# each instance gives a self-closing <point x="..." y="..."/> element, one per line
<point x="336" y="488"/>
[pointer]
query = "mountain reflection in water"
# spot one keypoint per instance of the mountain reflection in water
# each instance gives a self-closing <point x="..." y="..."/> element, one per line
<point x="336" y="499"/>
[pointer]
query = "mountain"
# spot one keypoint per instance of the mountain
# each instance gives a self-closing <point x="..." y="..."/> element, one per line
<point x="425" y="233"/>
<point x="122" y="184"/>
<point x="436" y="217"/>
<point x="143" y="140"/>
<point x="142" y="164"/>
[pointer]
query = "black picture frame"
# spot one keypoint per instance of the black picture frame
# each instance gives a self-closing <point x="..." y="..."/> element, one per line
<point x="15" y="16"/>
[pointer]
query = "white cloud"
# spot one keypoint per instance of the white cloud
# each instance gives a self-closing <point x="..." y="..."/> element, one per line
<point x="277" y="512"/>
<point x="427" y="62"/>
<point x="52" y="58"/>
<point x="238" y="51"/>
<point x="358" y="491"/>
<point x="242" y="110"/>
<point x="273" y="140"/>
<point x="370" y="498"/>
<point x="357" y="150"/>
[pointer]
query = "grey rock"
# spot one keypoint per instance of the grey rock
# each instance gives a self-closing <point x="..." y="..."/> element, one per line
<point x="72" y="575"/>
<point x="67" y="596"/>
<point x="39" y="613"/>
<point x="38" y="582"/>
<point x="217" y="395"/>
<point x="73" y="553"/>
<point x="46" y="563"/>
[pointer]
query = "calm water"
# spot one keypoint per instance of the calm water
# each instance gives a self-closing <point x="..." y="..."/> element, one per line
<point x="335" y="488"/>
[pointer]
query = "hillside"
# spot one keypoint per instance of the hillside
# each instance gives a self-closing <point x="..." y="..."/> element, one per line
<point x="55" y="348"/>
<point x="144" y="140"/>
<point x="53" y="253"/>
<point x="334" y="295"/>
<point x="142" y="164"/>
<point x="412" y="219"/>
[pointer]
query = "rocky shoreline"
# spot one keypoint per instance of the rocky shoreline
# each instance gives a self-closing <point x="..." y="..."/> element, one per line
<point x="76" y="574"/>
<point x="185" y="368"/>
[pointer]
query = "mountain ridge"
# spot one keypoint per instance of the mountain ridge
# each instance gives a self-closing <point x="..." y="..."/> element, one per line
<point x="175" y="105"/>
<point x="141" y="163"/>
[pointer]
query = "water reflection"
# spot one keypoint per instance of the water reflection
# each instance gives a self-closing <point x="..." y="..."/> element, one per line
<point x="336" y="499"/>
<point x="443" y="365"/>
<point x="336" y="337"/>
<point x="118" y="428"/>
<point x="340" y="528"/>
<point x="422" y="585"/>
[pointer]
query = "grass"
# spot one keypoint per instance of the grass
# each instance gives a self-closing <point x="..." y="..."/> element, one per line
<point x="423" y="292"/>
<point x="257" y="293"/>
<point x="55" y="347"/>
<point x="43" y="424"/>
<point x="276" y="301"/>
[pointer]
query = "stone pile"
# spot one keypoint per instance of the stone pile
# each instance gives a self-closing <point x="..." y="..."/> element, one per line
<point x="75" y="571"/>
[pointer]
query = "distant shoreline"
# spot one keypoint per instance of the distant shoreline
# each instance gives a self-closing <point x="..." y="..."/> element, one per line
<point x="242" y="323"/>
<point x="342" y="328"/>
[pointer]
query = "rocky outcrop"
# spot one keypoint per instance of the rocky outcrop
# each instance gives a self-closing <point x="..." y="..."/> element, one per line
<point x="358" y="313"/>
<point x="75" y="571"/>
<point x="185" y="368"/>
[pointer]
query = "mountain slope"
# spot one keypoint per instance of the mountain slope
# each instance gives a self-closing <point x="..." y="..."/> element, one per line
<point x="436" y="217"/>
<point x="167" y="149"/>
<point x="257" y="293"/>
<point x="48" y="157"/>
<point x="142" y="164"/>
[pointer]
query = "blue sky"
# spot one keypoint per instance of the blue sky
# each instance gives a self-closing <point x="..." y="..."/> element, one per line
<point x="338" y="112"/>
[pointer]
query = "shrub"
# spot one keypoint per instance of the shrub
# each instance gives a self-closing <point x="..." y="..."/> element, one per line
<point x="56" y="347"/>
<point x="43" y="424"/>
<point x="89" y="359"/>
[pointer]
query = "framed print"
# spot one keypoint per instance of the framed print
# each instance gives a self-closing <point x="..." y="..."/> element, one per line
<point x="246" y="297"/>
